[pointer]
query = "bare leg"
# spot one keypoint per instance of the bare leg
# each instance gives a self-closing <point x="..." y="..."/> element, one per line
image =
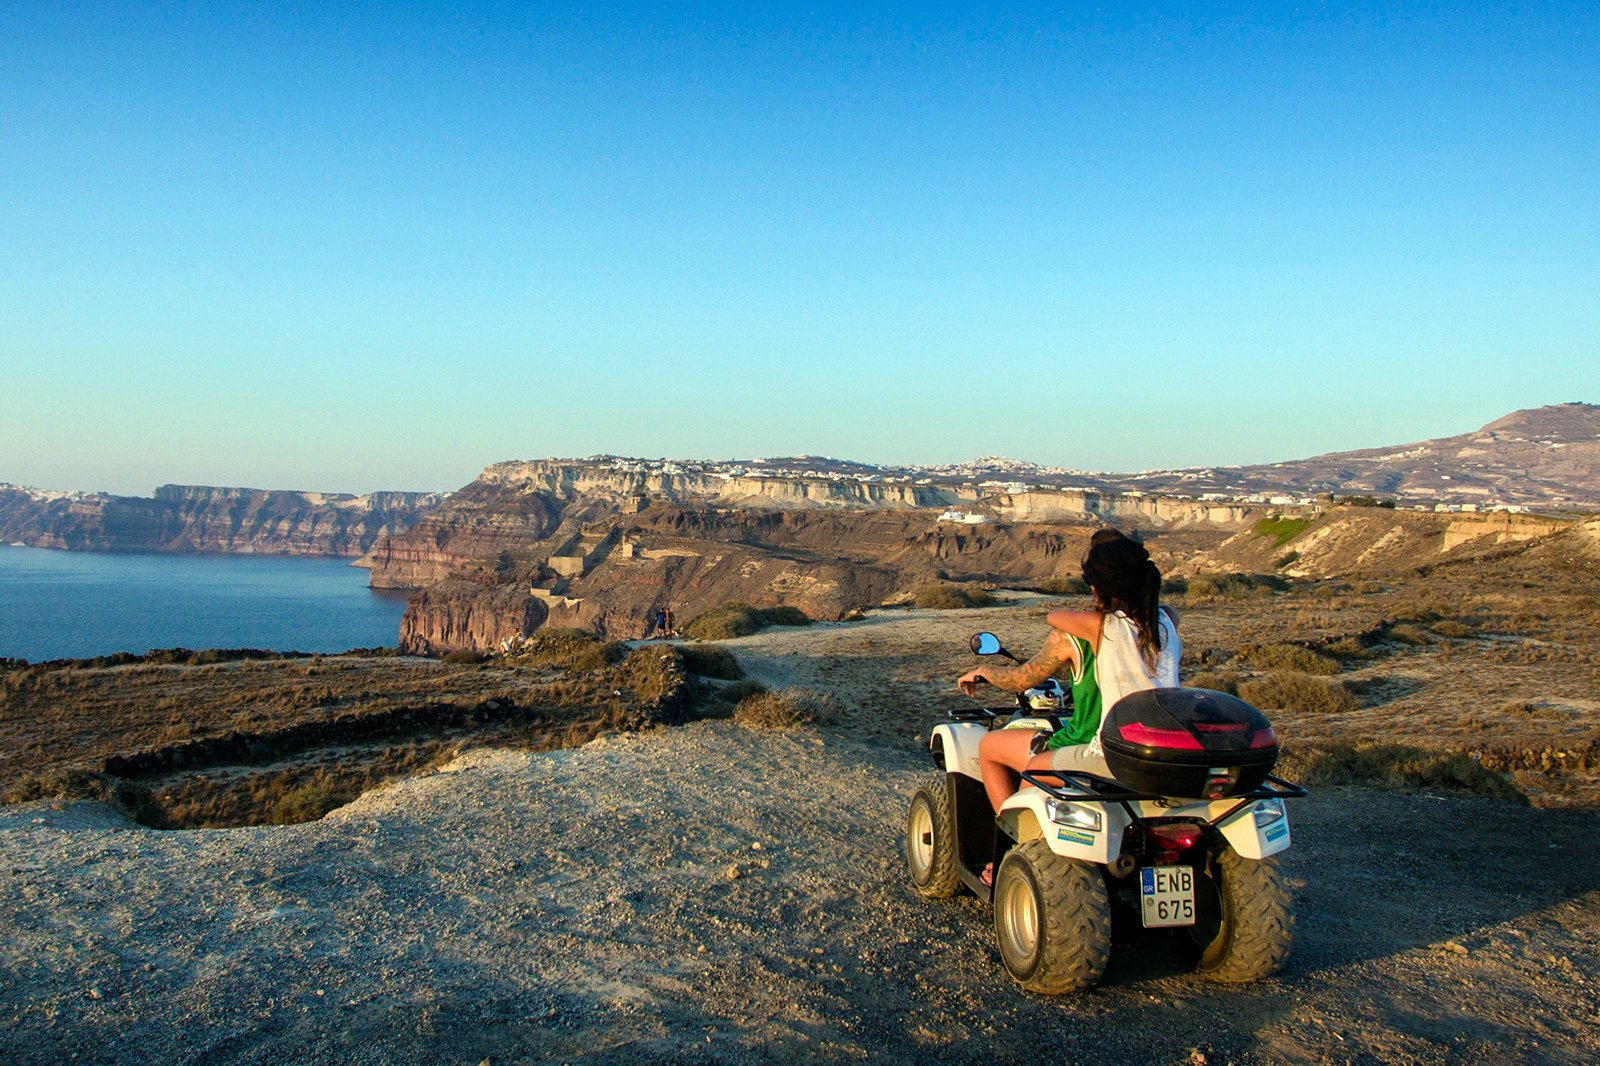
<point x="1002" y="754"/>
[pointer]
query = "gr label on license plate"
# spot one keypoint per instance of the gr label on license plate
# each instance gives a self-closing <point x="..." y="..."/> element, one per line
<point x="1166" y="895"/>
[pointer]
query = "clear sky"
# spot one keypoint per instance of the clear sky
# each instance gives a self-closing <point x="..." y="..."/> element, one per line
<point x="350" y="246"/>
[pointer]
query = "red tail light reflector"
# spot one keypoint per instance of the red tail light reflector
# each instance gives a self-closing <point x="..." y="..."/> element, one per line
<point x="1176" y="837"/>
<point x="1264" y="738"/>
<point x="1179" y="739"/>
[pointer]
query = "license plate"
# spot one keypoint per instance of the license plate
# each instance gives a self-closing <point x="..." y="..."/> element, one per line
<point x="1166" y="895"/>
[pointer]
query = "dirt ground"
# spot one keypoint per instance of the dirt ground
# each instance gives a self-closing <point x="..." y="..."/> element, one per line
<point x="710" y="893"/>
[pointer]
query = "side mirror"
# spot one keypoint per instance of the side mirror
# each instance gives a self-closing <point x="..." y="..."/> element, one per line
<point x="985" y="644"/>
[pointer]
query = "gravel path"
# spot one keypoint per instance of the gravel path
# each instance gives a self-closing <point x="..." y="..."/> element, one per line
<point x="714" y="894"/>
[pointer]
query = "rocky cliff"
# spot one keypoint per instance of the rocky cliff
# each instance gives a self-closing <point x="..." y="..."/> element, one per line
<point x="509" y="554"/>
<point x="200" y="518"/>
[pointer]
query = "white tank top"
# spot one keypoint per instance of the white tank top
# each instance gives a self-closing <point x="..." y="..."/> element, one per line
<point x="1119" y="668"/>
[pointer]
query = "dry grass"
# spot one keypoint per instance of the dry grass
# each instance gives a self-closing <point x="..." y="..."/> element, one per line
<point x="1064" y="585"/>
<point x="944" y="596"/>
<point x="568" y="649"/>
<point x="1289" y="690"/>
<point x="1399" y="766"/>
<point x="248" y="743"/>
<point x="740" y="620"/>
<point x="711" y="662"/>
<point x="1216" y="680"/>
<point x="785" y="709"/>
<point x="1289" y="657"/>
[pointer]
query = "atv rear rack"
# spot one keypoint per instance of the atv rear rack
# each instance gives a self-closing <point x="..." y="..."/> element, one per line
<point x="1105" y="790"/>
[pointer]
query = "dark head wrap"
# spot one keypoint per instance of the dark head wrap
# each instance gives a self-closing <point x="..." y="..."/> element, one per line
<point x="1120" y="572"/>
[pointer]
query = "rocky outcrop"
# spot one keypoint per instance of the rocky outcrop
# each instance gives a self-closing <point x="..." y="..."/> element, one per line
<point x="182" y="518"/>
<point x="457" y="614"/>
<point x="481" y="522"/>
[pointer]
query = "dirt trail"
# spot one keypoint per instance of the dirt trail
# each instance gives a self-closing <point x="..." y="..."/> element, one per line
<point x="713" y="894"/>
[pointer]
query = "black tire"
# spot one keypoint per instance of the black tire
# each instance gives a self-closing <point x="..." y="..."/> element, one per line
<point x="931" y="840"/>
<point x="1245" y="918"/>
<point x="1051" y="919"/>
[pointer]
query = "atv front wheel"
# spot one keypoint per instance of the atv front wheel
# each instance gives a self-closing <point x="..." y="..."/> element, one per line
<point x="1052" y="919"/>
<point x="930" y="840"/>
<point x="1245" y="915"/>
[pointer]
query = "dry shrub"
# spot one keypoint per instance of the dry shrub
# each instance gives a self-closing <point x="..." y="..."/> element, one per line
<point x="655" y="676"/>
<point x="565" y="648"/>
<point x="464" y="656"/>
<point x="722" y="701"/>
<point x="1406" y="633"/>
<point x="308" y="803"/>
<point x="1290" y="657"/>
<point x="1064" y="585"/>
<point x="1216" y="680"/>
<point x="943" y="596"/>
<point x="1291" y="691"/>
<point x="785" y="709"/>
<point x="1232" y="586"/>
<point x="68" y="783"/>
<point x="740" y="620"/>
<point x="783" y="616"/>
<point x="1398" y="766"/>
<point x="724" y="623"/>
<point x="1449" y="627"/>
<point x="717" y="663"/>
<point x="1348" y="648"/>
<point x="1527" y="709"/>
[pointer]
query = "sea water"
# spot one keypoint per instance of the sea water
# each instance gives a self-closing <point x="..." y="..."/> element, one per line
<point x="73" y="605"/>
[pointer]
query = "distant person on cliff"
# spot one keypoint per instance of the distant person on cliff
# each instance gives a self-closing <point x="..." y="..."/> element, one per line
<point x="659" y="626"/>
<point x="1126" y="643"/>
<point x="667" y="627"/>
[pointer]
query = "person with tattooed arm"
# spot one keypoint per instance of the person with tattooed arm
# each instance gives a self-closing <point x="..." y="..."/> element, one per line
<point x="1126" y="643"/>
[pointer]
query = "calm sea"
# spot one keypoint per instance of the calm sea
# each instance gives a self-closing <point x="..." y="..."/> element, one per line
<point x="72" y="605"/>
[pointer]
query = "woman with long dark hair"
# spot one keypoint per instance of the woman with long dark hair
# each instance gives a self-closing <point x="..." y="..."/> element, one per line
<point x="1128" y="642"/>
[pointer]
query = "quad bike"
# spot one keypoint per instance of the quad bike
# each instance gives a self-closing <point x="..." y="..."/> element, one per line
<point x="1184" y="836"/>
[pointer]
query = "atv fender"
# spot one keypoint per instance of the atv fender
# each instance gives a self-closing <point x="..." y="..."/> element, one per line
<point x="955" y="748"/>
<point x="1028" y="815"/>
<point x="1250" y="840"/>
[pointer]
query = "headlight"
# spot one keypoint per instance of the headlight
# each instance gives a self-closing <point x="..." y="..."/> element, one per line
<point x="1073" y="814"/>
<point x="1267" y="812"/>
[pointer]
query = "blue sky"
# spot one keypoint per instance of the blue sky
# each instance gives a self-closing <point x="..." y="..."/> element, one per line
<point x="350" y="246"/>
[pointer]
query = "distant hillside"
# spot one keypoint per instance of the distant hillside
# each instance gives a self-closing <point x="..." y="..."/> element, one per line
<point x="1547" y="457"/>
<point x="1544" y="457"/>
<point x="207" y="519"/>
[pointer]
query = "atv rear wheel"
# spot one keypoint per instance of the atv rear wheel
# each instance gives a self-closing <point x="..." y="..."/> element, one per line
<point x="931" y="840"/>
<point x="1052" y="919"/>
<point x="1245" y="919"/>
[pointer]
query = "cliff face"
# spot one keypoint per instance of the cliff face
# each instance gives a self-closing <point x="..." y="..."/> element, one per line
<point x="481" y="521"/>
<point x="456" y="614"/>
<point x="179" y="518"/>
<point x="568" y="480"/>
<point x="603" y="544"/>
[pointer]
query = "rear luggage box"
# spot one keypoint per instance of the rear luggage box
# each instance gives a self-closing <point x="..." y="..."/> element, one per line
<point x="1188" y="743"/>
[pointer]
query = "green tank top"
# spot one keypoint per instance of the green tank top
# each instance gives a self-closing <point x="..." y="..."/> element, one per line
<point x="1085" y="722"/>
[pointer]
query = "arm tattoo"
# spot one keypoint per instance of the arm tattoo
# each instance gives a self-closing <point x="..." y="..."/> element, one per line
<point x="1056" y="653"/>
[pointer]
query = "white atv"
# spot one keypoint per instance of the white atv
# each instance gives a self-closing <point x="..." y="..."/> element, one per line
<point x="1184" y="836"/>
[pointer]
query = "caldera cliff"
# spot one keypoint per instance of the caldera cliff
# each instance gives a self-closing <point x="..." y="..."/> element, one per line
<point x="201" y="518"/>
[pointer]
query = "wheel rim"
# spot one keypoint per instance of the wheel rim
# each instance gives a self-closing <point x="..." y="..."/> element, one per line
<point x="919" y="839"/>
<point x="1018" y="909"/>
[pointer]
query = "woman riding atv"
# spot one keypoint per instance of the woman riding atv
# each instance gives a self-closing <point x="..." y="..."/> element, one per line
<point x="1127" y="643"/>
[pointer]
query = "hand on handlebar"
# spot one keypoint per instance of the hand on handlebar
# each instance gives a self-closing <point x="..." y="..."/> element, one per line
<point x="968" y="682"/>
